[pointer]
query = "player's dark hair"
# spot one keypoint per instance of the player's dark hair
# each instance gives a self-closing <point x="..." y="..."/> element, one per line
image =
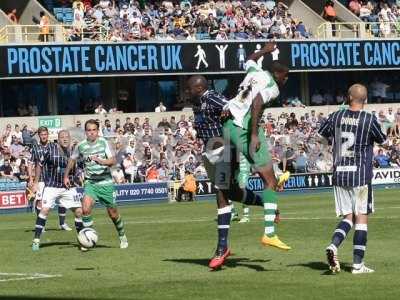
<point x="42" y="129"/>
<point x="92" y="122"/>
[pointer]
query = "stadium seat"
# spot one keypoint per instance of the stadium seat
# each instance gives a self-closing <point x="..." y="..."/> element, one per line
<point x="58" y="13"/>
<point x="68" y="15"/>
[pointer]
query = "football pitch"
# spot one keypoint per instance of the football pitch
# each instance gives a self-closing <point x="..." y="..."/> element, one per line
<point x="170" y="246"/>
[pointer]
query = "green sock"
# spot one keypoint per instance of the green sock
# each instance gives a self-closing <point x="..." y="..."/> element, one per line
<point x="269" y="200"/>
<point x="119" y="225"/>
<point x="87" y="221"/>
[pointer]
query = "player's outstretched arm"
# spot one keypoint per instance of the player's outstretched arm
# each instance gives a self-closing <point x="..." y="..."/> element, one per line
<point x="268" y="48"/>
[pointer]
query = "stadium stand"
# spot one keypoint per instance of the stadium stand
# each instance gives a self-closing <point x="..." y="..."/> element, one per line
<point x="219" y="20"/>
<point x="169" y="147"/>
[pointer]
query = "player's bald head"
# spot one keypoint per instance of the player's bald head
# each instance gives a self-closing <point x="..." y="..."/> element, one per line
<point x="197" y="85"/>
<point x="357" y="93"/>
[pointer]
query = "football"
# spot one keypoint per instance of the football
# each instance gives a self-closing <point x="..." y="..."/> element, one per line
<point x="88" y="237"/>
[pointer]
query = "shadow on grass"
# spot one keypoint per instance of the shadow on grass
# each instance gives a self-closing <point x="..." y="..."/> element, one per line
<point x="47" y="230"/>
<point x="322" y="266"/>
<point x="69" y="245"/>
<point x="230" y="262"/>
<point x="43" y="298"/>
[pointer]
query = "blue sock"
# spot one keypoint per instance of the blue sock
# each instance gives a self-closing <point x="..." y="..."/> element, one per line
<point x="78" y="224"/>
<point x="224" y="220"/>
<point x="359" y="243"/>
<point x="341" y="232"/>
<point x="40" y="224"/>
<point x="62" y="211"/>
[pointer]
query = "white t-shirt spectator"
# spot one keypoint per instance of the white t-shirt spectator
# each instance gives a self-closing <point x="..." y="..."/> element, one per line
<point x="317" y="99"/>
<point x="390" y="116"/>
<point x="160" y="108"/>
<point x="378" y="89"/>
<point x="100" y="110"/>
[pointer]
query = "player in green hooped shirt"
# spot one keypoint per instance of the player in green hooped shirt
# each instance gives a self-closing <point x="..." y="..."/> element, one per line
<point x="98" y="186"/>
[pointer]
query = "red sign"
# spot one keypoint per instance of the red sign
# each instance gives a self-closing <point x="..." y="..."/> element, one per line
<point x="14" y="199"/>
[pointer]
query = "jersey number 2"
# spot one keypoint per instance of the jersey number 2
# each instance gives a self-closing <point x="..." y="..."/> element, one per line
<point x="345" y="147"/>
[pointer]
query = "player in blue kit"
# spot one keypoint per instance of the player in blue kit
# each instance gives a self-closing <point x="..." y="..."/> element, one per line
<point x="353" y="133"/>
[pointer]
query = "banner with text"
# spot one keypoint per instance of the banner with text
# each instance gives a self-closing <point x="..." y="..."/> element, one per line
<point x="307" y="181"/>
<point x="65" y="60"/>
<point x="13" y="199"/>
<point x="139" y="192"/>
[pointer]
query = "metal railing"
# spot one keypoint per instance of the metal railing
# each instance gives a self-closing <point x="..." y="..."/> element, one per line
<point x="364" y="30"/>
<point x="53" y="33"/>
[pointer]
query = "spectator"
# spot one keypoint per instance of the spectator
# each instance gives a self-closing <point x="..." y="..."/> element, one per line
<point x="6" y="170"/>
<point x="44" y="27"/>
<point x="163" y="171"/>
<point x="288" y="160"/>
<point x="329" y="14"/>
<point x="107" y="130"/>
<point x="317" y="98"/>
<point x="130" y="167"/>
<point x="130" y="149"/>
<point x="164" y="124"/>
<point x="382" y="160"/>
<point x="16" y="148"/>
<point x="152" y="174"/>
<point x="378" y="90"/>
<point x="27" y="136"/>
<point x="13" y="16"/>
<point x="390" y="115"/>
<point x="355" y="7"/>
<point x="23" y="174"/>
<point x="100" y="110"/>
<point x="188" y="187"/>
<point x="160" y="108"/>
<point x="301" y="162"/>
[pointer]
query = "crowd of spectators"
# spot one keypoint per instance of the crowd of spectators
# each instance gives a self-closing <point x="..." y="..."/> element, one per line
<point x="385" y="14"/>
<point x="166" y="151"/>
<point x="129" y="20"/>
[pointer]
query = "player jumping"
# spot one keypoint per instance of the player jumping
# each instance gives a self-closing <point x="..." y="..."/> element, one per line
<point x="97" y="158"/>
<point x="242" y="130"/>
<point x="207" y="107"/>
<point x="353" y="133"/>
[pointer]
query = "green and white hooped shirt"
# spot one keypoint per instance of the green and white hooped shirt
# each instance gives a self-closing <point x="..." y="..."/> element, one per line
<point x="261" y="82"/>
<point x="94" y="172"/>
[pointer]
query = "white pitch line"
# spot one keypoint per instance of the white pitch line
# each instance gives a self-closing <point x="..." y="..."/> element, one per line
<point x="27" y="276"/>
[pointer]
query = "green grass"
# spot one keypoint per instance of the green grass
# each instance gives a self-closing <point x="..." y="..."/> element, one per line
<point x="170" y="245"/>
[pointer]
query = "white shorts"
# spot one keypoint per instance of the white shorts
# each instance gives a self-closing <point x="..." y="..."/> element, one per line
<point x="354" y="200"/>
<point x="39" y="192"/>
<point x="68" y="198"/>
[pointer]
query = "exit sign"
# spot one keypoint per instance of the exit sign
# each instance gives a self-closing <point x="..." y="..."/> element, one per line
<point x="50" y="122"/>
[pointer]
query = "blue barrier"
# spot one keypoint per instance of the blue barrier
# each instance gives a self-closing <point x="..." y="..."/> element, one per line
<point x="125" y="193"/>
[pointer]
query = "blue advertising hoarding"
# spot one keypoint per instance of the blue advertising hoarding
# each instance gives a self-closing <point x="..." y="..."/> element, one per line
<point x="181" y="57"/>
